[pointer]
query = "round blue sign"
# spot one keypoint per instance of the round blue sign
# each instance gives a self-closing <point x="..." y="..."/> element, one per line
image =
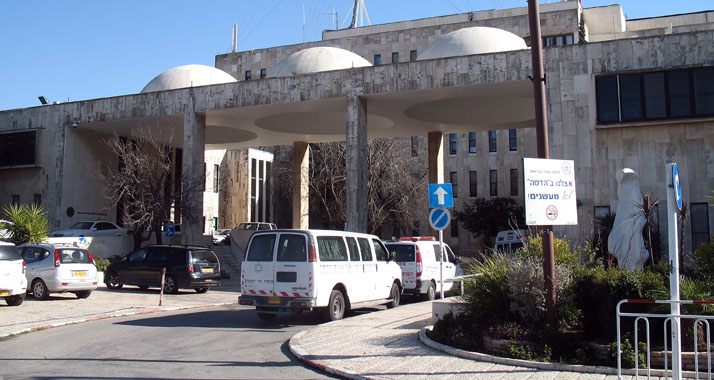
<point x="677" y="186"/>
<point x="439" y="218"/>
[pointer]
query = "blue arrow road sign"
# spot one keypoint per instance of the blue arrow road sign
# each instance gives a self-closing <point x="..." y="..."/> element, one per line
<point x="440" y="195"/>
<point x="439" y="218"/>
<point x="677" y="186"/>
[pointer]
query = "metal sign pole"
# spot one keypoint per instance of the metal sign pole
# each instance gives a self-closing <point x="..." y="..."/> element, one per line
<point x="673" y="242"/>
<point x="441" y="262"/>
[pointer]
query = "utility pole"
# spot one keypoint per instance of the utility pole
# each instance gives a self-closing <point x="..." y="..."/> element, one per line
<point x="543" y="152"/>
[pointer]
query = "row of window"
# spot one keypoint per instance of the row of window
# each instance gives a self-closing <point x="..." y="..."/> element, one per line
<point x="492" y="181"/>
<point x="36" y="199"/>
<point x="492" y="142"/>
<point x="249" y="74"/>
<point x="17" y="148"/>
<point x="655" y="95"/>
<point x="395" y="57"/>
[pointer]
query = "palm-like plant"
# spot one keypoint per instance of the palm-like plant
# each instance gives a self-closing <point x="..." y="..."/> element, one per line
<point x="29" y="223"/>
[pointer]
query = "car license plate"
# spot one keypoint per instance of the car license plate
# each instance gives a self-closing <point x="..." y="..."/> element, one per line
<point x="79" y="274"/>
<point x="206" y="270"/>
<point x="4" y="292"/>
<point x="274" y="300"/>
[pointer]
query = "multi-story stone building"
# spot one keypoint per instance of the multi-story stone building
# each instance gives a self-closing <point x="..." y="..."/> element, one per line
<point x="620" y="93"/>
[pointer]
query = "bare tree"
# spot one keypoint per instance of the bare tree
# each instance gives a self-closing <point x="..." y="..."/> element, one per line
<point x="142" y="181"/>
<point x="396" y="184"/>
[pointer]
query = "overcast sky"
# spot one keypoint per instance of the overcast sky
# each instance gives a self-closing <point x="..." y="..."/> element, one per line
<point x="85" y="49"/>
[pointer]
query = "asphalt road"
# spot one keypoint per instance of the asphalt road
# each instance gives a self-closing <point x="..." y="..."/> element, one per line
<point x="225" y="342"/>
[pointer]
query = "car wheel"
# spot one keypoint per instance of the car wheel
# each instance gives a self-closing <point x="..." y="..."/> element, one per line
<point x="170" y="285"/>
<point x="395" y="295"/>
<point x="112" y="281"/>
<point x="39" y="290"/>
<point x="15" y="300"/>
<point x="336" y="307"/>
<point x="431" y="293"/>
<point x="266" y="316"/>
<point x="201" y="290"/>
<point x="83" y="293"/>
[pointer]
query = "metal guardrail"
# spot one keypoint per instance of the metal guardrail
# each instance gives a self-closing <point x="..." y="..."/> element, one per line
<point x="673" y="320"/>
<point x="462" y="279"/>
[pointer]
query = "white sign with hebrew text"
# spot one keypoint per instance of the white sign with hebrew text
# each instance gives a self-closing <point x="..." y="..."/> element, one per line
<point x="549" y="187"/>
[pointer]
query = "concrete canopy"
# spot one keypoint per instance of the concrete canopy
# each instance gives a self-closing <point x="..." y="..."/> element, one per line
<point x="460" y="94"/>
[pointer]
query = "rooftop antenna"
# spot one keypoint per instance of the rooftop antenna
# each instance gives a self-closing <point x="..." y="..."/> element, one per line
<point x="359" y="9"/>
<point x="303" y="22"/>
<point x="235" y="37"/>
<point x="335" y="21"/>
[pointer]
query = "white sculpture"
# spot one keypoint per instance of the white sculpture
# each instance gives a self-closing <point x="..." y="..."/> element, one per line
<point x="625" y="241"/>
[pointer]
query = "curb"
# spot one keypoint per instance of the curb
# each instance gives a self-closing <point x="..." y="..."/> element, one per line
<point x="126" y="314"/>
<point x="320" y="365"/>
<point x="539" y="365"/>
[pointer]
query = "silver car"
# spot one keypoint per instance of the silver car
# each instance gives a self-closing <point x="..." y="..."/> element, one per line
<point x="13" y="284"/>
<point x="58" y="268"/>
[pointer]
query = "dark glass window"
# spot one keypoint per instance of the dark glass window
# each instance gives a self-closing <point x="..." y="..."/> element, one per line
<point x="16" y="200"/>
<point x="655" y="99"/>
<point x="631" y="97"/>
<point x="263" y="73"/>
<point x="514" y="182"/>
<point x="472" y="142"/>
<point x="453" y="178"/>
<point x="473" y="184"/>
<point x="261" y="248"/>
<point x="332" y="248"/>
<point x="700" y="224"/>
<point x="395" y="57"/>
<point x="703" y="91"/>
<point x="292" y="248"/>
<point x="247" y="75"/>
<point x="512" y="140"/>
<point x="17" y="148"/>
<point x="608" y="109"/>
<point x="492" y="146"/>
<point x="377" y="59"/>
<point x="37" y="200"/>
<point x="452" y="143"/>
<point x="454" y="229"/>
<point x="493" y="183"/>
<point x="415" y="146"/>
<point x="412" y="55"/>
<point x="215" y="178"/>
<point x="680" y="100"/>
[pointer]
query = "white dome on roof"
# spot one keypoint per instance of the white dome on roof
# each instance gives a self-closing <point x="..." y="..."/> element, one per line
<point x="188" y="76"/>
<point x="474" y="40"/>
<point x="315" y="60"/>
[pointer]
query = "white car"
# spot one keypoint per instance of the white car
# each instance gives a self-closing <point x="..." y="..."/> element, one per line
<point x="13" y="284"/>
<point x="91" y="228"/>
<point x="221" y="236"/>
<point x="59" y="268"/>
<point x="293" y="271"/>
<point x="419" y="259"/>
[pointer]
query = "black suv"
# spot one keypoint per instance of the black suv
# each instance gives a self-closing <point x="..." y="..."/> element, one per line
<point x="186" y="267"/>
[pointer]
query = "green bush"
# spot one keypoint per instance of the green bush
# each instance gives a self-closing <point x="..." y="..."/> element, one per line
<point x="457" y="331"/>
<point x="704" y="256"/>
<point x="597" y="292"/>
<point x="29" y="223"/>
<point x="533" y="248"/>
<point x="487" y="296"/>
<point x="101" y="263"/>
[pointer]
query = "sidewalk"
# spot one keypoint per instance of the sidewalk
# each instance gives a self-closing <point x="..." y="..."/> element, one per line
<point x="65" y="308"/>
<point x="386" y="345"/>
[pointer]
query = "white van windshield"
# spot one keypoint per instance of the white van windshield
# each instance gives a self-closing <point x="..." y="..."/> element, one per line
<point x="261" y="248"/>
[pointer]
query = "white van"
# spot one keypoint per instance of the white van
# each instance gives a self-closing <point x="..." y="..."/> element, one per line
<point x="419" y="259"/>
<point x="509" y="241"/>
<point x="291" y="271"/>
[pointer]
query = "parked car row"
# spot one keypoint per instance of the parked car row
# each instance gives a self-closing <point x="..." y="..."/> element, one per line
<point x="43" y="268"/>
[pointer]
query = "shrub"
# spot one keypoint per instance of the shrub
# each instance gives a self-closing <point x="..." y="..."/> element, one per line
<point x="628" y="354"/>
<point x="29" y="223"/>
<point x="457" y="331"/>
<point x="704" y="256"/>
<point x="487" y="297"/>
<point x="533" y="248"/>
<point x="597" y="292"/>
<point x="102" y="263"/>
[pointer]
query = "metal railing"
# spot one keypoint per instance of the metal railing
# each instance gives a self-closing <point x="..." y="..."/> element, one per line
<point x="461" y="279"/>
<point x="673" y="320"/>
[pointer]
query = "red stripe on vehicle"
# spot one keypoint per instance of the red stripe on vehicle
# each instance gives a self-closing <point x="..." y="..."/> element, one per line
<point x="285" y="294"/>
<point x="296" y="294"/>
<point x="263" y="292"/>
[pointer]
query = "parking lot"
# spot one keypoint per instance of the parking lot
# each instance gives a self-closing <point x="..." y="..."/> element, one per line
<point x="64" y="308"/>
